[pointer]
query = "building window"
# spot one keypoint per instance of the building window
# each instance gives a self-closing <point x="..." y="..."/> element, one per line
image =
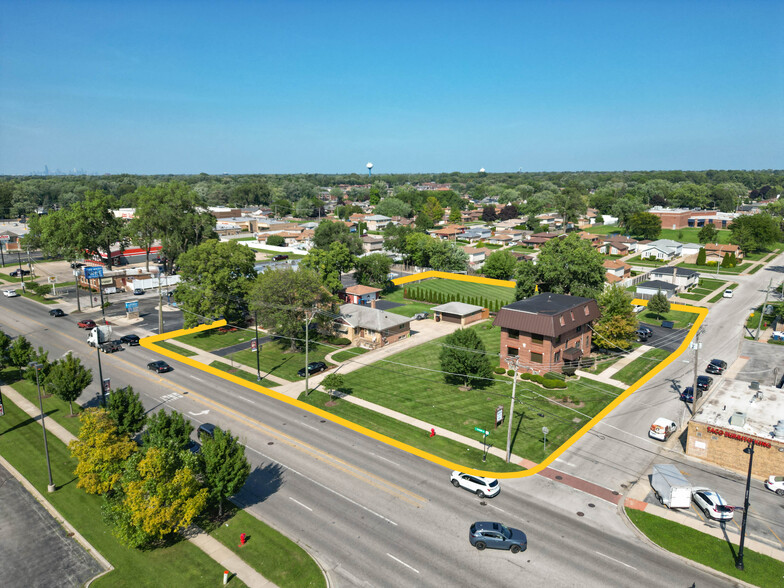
<point x="513" y="333"/>
<point x="587" y="312"/>
<point x="561" y="320"/>
<point x="557" y="340"/>
<point x="537" y="338"/>
<point x="571" y="313"/>
<point x="579" y="328"/>
<point x="511" y="351"/>
<point x="536" y="357"/>
<point x="557" y="357"/>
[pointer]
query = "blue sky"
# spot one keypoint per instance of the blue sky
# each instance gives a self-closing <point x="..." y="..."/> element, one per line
<point x="288" y="86"/>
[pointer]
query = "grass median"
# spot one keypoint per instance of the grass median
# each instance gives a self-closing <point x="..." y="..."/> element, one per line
<point x="348" y="354"/>
<point x="176" y="348"/>
<point x="633" y="371"/>
<point x="718" y="554"/>
<point x="240" y="373"/>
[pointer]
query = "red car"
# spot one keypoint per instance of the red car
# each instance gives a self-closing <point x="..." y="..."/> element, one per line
<point x="88" y="324"/>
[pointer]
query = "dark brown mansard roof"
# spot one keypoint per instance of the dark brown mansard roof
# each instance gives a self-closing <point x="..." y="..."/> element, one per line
<point x="548" y="314"/>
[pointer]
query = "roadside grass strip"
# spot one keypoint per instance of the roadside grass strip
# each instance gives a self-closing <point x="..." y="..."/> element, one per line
<point x="240" y="373"/>
<point x="181" y="564"/>
<point x="529" y="394"/>
<point x="720" y="295"/>
<point x="712" y="268"/>
<point x="756" y="268"/>
<point x="633" y="371"/>
<point x="177" y="349"/>
<point x="54" y="408"/>
<point x="277" y="358"/>
<point x="348" y="354"/>
<point x="213" y="339"/>
<point x="718" y="554"/>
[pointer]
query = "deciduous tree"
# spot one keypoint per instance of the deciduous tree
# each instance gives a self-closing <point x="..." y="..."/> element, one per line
<point x="572" y="266"/>
<point x="755" y="232"/>
<point x="225" y="466"/>
<point x="393" y="207"/>
<point x="659" y="304"/>
<point x="333" y="382"/>
<point x="617" y="324"/>
<point x="463" y="357"/>
<point x="644" y="225"/>
<point x="330" y="263"/>
<point x="167" y="430"/>
<point x="68" y="378"/>
<point x="499" y="265"/>
<point x="708" y="234"/>
<point x="328" y="232"/>
<point x="127" y="410"/>
<point x="373" y="270"/>
<point x="19" y="353"/>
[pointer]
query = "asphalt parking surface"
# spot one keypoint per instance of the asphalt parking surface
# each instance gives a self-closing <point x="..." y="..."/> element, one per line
<point x="36" y="549"/>
<point x="667" y="339"/>
<point x="765" y="364"/>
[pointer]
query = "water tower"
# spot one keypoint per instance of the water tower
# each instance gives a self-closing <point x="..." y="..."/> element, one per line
<point x="370" y="168"/>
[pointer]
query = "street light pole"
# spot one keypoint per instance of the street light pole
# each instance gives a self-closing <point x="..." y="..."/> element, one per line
<point x="258" y="351"/>
<point x="160" y="303"/>
<point x="307" y="371"/>
<point x="37" y="367"/>
<point x="694" y="394"/>
<point x="762" y="311"/>
<point x="100" y="374"/>
<point x="512" y="363"/>
<point x="750" y="451"/>
<point x="21" y="271"/>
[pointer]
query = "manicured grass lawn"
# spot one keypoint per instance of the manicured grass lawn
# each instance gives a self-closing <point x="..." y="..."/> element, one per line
<point x="632" y="372"/>
<point x="712" y="269"/>
<point x="276" y="557"/>
<point x="213" y="339"/>
<point x="695" y="294"/>
<point x="602" y="364"/>
<point x="54" y="408"/>
<point x="276" y="359"/>
<point x="760" y="570"/>
<point x="691" y="235"/>
<point x="349" y="353"/>
<point x="240" y="373"/>
<point x="273" y="252"/>
<point x="756" y="256"/>
<point x="522" y="249"/>
<point x="756" y="268"/>
<point x="711" y="284"/>
<point x="637" y="260"/>
<point x="604" y="229"/>
<point x="679" y="317"/>
<point x="409" y="308"/>
<point x="720" y="295"/>
<point x="23" y="448"/>
<point x="425" y="395"/>
<point x="465" y="290"/>
<point x="176" y="348"/>
<point x="438" y="445"/>
<point x="36" y="297"/>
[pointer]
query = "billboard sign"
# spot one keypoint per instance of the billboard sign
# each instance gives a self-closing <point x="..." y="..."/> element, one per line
<point x="5" y="238"/>
<point x="93" y="272"/>
<point x="132" y="306"/>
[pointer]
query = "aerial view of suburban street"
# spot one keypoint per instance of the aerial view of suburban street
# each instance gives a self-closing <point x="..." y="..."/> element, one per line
<point x="294" y="294"/>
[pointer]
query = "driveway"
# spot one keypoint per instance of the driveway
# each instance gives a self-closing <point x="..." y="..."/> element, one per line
<point x="667" y="339"/>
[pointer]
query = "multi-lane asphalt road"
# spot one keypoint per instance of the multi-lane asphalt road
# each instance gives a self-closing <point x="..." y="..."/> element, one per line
<point x="371" y="514"/>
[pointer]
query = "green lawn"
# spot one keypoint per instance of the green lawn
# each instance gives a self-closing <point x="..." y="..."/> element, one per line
<point x="695" y="294"/>
<point x="54" y="408"/>
<point x="409" y="308"/>
<point x="756" y="256"/>
<point x="348" y="354"/>
<point x="756" y="268"/>
<point x="425" y="395"/>
<point x="214" y="339"/>
<point x="36" y="297"/>
<point x="522" y="249"/>
<point x="711" y="284"/>
<point x="23" y="448"/>
<point x="637" y="260"/>
<point x="712" y="269"/>
<point x="633" y="371"/>
<point x="463" y="291"/>
<point x="240" y="373"/>
<point x="759" y="570"/>
<point x="604" y="229"/>
<point x="679" y="317"/>
<point x="687" y="235"/>
<point x="439" y="445"/>
<point x="720" y="295"/>
<point x="276" y="557"/>
<point x="602" y="364"/>
<point x="176" y="348"/>
<point x="277" y="359"/>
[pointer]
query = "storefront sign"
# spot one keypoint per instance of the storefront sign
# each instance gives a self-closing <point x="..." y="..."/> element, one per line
<point x="737" y="436"/>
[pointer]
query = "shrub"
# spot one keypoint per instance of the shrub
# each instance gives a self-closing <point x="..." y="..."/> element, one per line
<point x="341" y="341"/>
<point x="510" y="372"/>
<point x="499" y="370"/>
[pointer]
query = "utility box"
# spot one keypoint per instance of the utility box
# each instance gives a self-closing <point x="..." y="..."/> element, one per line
<point x="669" y="485"/>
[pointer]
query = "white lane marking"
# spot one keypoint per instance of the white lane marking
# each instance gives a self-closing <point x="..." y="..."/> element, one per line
<point x="246" y="399"/>
<point x="308" y="426"/>
<point x="195" y="378"/>
<point x="199" y="413"/>
<point x="402" y="562"/>
<point x="615" y="560"/>
<point x="320" y="485"/>
<point x="498" y="509"/>
<point x="563" y="461"/>
<point x="302" y="505"/>
<point x="384" y="458"/>
<point x="172" y="396"/>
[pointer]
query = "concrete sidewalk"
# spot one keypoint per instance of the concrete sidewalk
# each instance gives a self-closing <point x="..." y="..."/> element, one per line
<point x="605" y="379"/>
<point x="616" y="367"/>
<point x="209" y="545"/>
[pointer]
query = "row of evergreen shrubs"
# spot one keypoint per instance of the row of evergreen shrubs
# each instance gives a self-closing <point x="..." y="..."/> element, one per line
<point x="422" y="294"/>
<point x="549" y="383"/>
<point x="728" y="261"/>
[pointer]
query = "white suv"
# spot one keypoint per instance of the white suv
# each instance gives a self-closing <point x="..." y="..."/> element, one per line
<point x="728" y="293"/>
<point x="482" y="487"/>
<point x="10" y="293"/>
<point x="775" y="484"/>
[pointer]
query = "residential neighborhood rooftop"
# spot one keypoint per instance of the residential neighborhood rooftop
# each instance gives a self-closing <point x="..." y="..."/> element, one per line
<point x="371" y="318"/>
<point x="457" y="308"/>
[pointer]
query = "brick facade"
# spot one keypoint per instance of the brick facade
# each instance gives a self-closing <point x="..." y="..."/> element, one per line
<point x="542" y="350"/>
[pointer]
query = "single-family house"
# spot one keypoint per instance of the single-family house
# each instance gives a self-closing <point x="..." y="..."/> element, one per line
<point x="649" y="289"/>
<point x="500" y="239"/>
<point x="377" y="222"/>
<point x="475" y="234"/>
<point x="680" y="277"/>
<point x="370" y="327"/>
<point x="448" y="233"/>
<point x="476" y="255"/>
<point x="362" y="295"/>
<point x="619" y="245"/>
<point x="616" y="270"/>
<point x="459" y="312"/>
<point x="716" y="252"/>
<point x="663" y="249"/>
<point x="544" y="331"/>
<point x="372" y="244"/>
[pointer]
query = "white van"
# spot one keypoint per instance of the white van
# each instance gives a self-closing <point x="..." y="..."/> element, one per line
<point x="661" y="429"/>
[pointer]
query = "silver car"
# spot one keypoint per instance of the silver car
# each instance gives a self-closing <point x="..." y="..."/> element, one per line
<point x="712" y="504"/>
<point x="482" y="487"/>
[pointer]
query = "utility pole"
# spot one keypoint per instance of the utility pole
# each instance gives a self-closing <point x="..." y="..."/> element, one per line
<point x="696" y="368"/>
<point x="762" y="310"/>
<point x="160" y="304"/>
<point x="258" y="350"/>
<point x="307" y="329"/>
<point x="21" y="271"/>
<point x="512" y="363"/>
<point x="78" y="301"/>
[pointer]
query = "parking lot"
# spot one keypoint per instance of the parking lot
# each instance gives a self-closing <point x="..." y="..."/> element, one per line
<point x="667" y="339"/>
<point x="765" y="364"/>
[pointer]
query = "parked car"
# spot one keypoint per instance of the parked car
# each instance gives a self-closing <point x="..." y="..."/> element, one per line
<point x="111" y="346"/>
<point x="279" y="257"/>
<point x="728" y="293"/>
<point x="713" y="505"/>
<point x="314" y="367"/>
<point x="10" y="293"/>
<point x="206" y="430"/>
<point x="482" y="487"/>
<point x="132" y="340"/>
<point x="668" y="325"/>
<point x="661" y="429"/>
<point x="645" y="330"/>
<point x="159" y="366"/>
<point x="138" y="291"/>
<point x="18" y="273"/>
<point x="775" y="484"/>
<point x="497" y="536"/>
<point x="642" y="335"/>
<point x="716" y="366"/>
<point x="687" y="394"/>
<point x="704" y="383"/>
<point x="86" y="324"/>
<point x="56" y="312"/>
<point x="421" y="316"/>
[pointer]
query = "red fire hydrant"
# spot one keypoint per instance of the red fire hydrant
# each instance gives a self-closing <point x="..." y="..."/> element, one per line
<point x="242" y="539"/>
<point x="432" y="433"/>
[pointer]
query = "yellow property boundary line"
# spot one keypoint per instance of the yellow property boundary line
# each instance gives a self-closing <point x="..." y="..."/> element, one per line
<point x="150" y="343"/>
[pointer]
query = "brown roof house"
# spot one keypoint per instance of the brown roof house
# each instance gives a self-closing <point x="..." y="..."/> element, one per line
<point x="362" y="295"/>
<point x="546" y="330"/>
<point x="715" y="252"/>
<point x="370" y="327"/>
<point x="615" y="270"/>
